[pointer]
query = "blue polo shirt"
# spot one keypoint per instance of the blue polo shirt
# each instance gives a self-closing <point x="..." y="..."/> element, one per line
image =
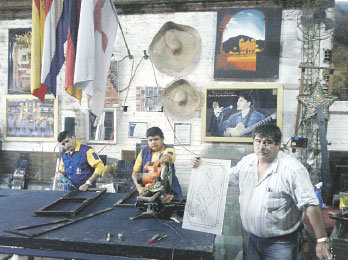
<point x="80" y="165"/>
<point x="146" y="155"/>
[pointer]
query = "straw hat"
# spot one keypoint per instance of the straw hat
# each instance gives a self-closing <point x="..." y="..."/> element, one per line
<point x="180" y="98"/>
<point x="174" y="47"/>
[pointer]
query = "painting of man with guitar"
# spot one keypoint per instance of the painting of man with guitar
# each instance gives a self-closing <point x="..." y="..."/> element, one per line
<point x="244" y="121"/>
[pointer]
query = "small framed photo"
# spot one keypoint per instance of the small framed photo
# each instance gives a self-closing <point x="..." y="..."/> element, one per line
<point x="232" y="112"/>
<point x="182" y="134"/>
<point x="137" y="130"/>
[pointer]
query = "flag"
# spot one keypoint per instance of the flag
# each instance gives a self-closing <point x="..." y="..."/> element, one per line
<point x="56" y="30"/>
<point x="37" y="32"/>
<point x="74" y="15"/>
<point x="96" y="37"/>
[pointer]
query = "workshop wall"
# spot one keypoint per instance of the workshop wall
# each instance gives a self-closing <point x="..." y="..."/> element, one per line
<point x="139" y="31"/>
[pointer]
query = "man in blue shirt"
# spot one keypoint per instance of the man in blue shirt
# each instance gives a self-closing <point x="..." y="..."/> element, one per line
<point x="80" y="164"/>
<point x="237" y="124"/>
<point x="154" y="151"/>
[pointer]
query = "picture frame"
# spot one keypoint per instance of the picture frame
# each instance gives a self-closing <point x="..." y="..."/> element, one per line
<point x="28" y="119"/>
<point x="137" y="130"/>
<point x="248" y="43"/>
<point x="182" y="133"/>
<point x="226" y="122"/>
<point x="19" y="56"/>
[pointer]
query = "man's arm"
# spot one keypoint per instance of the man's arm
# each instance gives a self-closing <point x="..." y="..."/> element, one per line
<point x="99" y="168"/>
<point x="317" y="222"/>
<point x="139" y="187"/>
<point x="136" y="169"/>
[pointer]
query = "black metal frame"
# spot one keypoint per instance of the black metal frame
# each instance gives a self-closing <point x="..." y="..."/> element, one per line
<point x="60" y="223"/>
<point x="69" y="198"/>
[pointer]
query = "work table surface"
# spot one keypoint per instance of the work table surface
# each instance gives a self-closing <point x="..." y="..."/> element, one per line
<point x="90" y="235"/>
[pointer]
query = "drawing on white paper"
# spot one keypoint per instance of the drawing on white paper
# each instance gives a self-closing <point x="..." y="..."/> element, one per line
<point x="206" y="197"/>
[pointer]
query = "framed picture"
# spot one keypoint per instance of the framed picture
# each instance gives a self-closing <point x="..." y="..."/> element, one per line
<point x="231" y="112"/>
<point x="137" y="130"/>
<point x="147" y="99"/>
<point x="112" y="93"/>
<point x="182" y="133"/>
<point x="247" y="43"/>
<point x="19" y="55"/>
<point x="28" y="119"/>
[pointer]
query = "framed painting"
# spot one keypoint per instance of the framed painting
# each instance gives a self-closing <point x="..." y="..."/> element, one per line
<point x="28" y="119"/>
<point x="19" y="55"/>
<point x="247" y="43"/>
<point x="231" y="112"/>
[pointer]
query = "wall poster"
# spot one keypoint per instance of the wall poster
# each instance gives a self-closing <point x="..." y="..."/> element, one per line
<point x="28" y="119"/>
<point x="19" y="55"/>
<point x="232" y="112"/>
<point x="247" y="43"/>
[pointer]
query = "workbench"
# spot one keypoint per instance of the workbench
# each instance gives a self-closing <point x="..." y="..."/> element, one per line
<point x="87" y="239"/>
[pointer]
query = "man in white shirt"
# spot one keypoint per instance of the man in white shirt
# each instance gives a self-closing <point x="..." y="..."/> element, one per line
<point x="275" y="192"/>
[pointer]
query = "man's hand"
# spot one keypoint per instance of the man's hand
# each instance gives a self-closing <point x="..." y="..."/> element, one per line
<point x="84" y="187"/>
<point x="140" y="190"/>
<point x="323" y="251"/>
<point x="166" y="158"/>
<point x="217" y="109"/>
<point x="59" y="175"/>
<point x="195" y="161"/>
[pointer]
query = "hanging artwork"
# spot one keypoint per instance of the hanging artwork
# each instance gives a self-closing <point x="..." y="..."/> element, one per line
<point x="247" y="43"/>
<point x="317" y="98"/>
<point x="147" y="99"/>
<point x="19" y="53"/>
<point x="112" y="87"/>
<point x="28" y="119"/>
<point x="232" y="112"/>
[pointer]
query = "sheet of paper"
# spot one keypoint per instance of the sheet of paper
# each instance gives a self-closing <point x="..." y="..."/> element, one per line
<point x="206" y="197"/>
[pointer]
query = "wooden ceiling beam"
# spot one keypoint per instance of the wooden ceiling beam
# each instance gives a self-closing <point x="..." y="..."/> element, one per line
<point x="15" y="9"/>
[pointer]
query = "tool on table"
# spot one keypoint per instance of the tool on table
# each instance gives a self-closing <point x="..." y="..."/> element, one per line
<point x="20" y="230"/>
<point x="152" y="239"/>
<point x="160" y="238"/>
<point x="157" y="199"/>
<point x="66" y="181"/>
<point x="120" y="236"/>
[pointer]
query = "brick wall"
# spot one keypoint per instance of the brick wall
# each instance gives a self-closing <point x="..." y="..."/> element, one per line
<point x="139" y="31"/>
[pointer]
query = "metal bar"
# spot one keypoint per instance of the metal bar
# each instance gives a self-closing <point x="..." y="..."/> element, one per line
<point x="42" y="224"/>
<point x="317" y="67"/>
<point x="28" y="234"/>
<point x="298" y="103"/>
<point x="127" y="196"/>
<point x="325" y="166"/>
<point x="72" y="222"/>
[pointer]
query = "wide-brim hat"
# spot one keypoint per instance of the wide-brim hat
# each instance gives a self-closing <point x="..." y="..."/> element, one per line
<point x="180" y="98"/>
<point x="174" y="47"/>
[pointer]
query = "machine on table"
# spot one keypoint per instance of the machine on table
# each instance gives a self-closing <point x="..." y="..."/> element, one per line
<point x="158" y="199"/>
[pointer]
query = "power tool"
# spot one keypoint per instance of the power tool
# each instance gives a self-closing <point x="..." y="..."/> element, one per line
<point x="157" y="199"/>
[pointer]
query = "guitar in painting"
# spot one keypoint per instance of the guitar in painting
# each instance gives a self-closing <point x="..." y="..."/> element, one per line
<point x="241" y="130"/>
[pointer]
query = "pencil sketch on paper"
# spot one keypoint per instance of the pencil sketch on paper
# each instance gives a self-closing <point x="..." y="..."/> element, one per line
<point x="206" y="197"/>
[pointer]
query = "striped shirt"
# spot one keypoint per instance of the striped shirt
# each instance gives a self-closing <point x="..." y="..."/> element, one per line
<point x="272" y="206"/>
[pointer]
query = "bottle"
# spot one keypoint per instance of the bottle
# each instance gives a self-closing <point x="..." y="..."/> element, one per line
<point x="318" y="193"/>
